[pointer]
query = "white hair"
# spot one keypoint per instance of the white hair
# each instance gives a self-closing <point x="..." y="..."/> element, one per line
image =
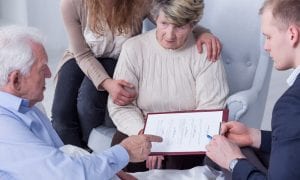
<point x="16" y="51"/>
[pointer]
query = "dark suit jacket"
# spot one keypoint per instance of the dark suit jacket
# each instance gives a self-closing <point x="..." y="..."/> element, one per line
<point x="283" y="142"/>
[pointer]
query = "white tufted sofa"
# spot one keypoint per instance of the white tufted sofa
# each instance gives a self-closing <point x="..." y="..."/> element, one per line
<point x="248" y="66"/>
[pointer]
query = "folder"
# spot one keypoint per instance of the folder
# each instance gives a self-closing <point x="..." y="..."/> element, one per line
<point x="184" y="132"/>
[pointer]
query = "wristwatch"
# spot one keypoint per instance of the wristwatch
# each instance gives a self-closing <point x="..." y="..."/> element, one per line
<point x="233" y="163"/>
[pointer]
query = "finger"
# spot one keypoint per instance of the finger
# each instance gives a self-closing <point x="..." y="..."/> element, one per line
<point x="199" y="46"/>
<point x="214" y="50"/>
<point x="219" y="47"/>
<point x="126" y="93"/>
<point x="153" y="138"/>
<point x="153" y="163"/>
<point x="209" y="49"/>
<point x="125" y="100"/>
<point x="130" y="177"/>
<point x="125" y="176"/>
<point x="148" y="162"/>
<point x="159" y="162"/>
<point x="126" y="84"/>
<point x="131" y="91"/>
<point x="119" y="102"/>
<point x="225" y="127"/>
<point x="216" y="137"/>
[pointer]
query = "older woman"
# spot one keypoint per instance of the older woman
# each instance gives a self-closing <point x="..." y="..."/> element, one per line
<point x="169" y="74"/>
<point x="96" y="31"/>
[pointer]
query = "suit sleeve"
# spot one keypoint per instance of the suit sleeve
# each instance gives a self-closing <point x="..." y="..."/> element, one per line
<point x="285" y="159"/>
<point x="244" y="170"/>
<point x="285" y="138"/>
<point x="266" y="141"/>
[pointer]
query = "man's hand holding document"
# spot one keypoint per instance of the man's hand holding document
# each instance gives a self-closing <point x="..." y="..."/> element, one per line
<point x="185" y="132"/>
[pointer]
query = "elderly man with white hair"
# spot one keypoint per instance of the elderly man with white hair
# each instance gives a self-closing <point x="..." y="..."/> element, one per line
<point x="29" y="146"/>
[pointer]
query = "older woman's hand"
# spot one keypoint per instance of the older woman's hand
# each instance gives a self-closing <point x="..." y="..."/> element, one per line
<point x="154" y="162"/>
<point x="212" y="43"/>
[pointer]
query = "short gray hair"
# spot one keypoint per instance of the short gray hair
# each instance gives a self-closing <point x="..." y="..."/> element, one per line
<point x="179" y="12"/>
<point x="16" y="50"/>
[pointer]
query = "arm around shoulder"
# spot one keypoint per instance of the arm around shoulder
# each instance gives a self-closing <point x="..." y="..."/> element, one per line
<point x="211" y="83"/>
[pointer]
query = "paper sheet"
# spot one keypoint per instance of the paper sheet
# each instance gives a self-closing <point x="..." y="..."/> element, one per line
<point x="183" y="132"/>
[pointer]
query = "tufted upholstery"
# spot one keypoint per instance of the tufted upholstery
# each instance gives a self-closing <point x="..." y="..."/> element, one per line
<point x="248" y="66"/>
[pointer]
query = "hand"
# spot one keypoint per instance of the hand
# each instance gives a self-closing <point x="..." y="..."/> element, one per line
<point x="154" y="162"/>
<point x="241" y="135"/>
<point x="122" y="92"/>
<point x="222" y="151"/>
<point x="125" y="176"/>
<point x="139" y="146"/>
<point x="212" y="43"/>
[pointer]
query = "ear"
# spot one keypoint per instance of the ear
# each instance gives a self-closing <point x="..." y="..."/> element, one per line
<point x="293" y="33"/>
<point x="14" y="81"/>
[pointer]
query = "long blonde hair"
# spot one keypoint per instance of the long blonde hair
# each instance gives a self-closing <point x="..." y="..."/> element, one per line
<point x="124" y="17"/>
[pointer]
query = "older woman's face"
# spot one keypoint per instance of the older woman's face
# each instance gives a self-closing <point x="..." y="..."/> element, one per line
<point x="169" y="35"/>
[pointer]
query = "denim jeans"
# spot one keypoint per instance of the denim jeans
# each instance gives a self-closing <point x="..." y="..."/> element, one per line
<point x="78" y="106"/>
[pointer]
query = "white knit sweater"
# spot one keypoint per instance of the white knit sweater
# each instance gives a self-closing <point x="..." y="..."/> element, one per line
<point x="166" y="80"/>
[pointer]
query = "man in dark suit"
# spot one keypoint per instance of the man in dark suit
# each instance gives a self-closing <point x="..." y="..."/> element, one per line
<point x="281" y="27"/>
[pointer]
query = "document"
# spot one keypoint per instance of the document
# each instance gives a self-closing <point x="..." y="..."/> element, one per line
<point x="184" y="132"/>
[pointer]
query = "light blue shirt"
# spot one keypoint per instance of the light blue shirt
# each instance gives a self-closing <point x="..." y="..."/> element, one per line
<point x="29" y="148"/>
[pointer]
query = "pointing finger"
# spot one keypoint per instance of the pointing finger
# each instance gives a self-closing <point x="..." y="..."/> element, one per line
<point x="153" y="138"/>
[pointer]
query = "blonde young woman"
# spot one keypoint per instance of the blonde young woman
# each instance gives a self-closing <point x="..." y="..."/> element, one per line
<point x="169" y="75"/>
<point x="96" y="31"/>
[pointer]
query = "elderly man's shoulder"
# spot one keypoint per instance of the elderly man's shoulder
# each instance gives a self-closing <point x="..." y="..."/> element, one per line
<point x="9" y="124"/>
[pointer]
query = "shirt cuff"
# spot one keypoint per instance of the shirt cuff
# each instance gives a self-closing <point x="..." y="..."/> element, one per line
<point x="121" y="154"/>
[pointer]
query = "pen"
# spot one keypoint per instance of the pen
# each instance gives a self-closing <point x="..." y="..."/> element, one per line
<point x="209" y="137"/>
<point x="220" y="128"/>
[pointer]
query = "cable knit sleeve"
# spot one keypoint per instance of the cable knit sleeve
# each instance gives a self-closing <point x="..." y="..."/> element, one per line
<point x="128" y="119"/>
<point x="211" y="84"/>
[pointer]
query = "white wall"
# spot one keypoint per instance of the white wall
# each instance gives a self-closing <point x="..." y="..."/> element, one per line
<point x="13" y="12"/>
<point x="43" y="14"/>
